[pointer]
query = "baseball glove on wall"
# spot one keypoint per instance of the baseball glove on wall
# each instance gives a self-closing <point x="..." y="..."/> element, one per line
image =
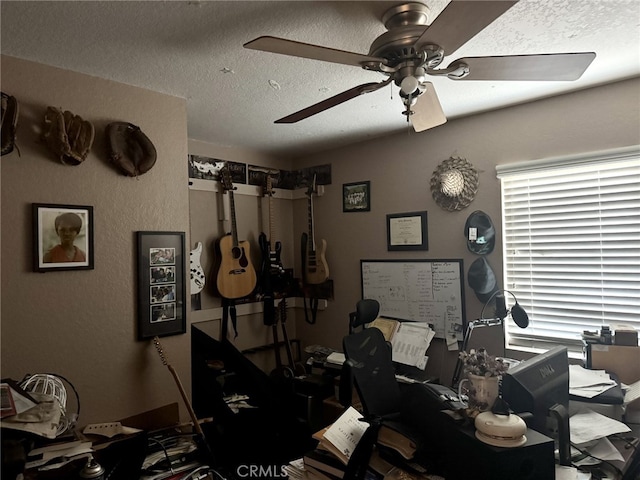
<point x="68" y="135"/>
<point x="130" y="149"/>
<point x="9" y="123"/>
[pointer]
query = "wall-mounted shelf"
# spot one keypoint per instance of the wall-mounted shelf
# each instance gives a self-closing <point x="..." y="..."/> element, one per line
<point x="253" y="190"/>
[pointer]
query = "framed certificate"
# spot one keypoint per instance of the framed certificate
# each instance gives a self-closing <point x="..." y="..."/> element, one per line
<point x="407" y="231"/>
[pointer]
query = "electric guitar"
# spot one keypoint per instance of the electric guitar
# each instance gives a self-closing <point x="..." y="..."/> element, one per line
<point x="315" y="267"/>
<point x="236" y="277"/>
<point x="200" y="439"/>
<point x="272" y="272"/>
<point x="195" y="270"/>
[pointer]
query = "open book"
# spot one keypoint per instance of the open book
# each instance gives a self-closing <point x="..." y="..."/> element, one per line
<point x="342" y="436"/>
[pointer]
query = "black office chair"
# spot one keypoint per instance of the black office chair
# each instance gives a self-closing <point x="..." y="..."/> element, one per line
<point x="367" y="311"/>
<point x="368" y="367"/>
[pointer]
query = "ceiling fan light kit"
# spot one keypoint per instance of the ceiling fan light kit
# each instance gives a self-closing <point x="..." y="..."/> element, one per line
<point x="410" y="50"/>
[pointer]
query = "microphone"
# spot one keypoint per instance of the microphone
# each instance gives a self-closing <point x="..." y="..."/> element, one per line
<point x="501" y="307"/>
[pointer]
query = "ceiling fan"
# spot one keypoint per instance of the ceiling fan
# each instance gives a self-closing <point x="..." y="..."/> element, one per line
<point x="411" y="50"/>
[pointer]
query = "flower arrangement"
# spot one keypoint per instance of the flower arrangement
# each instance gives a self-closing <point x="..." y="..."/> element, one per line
<point x="479" y="362"/>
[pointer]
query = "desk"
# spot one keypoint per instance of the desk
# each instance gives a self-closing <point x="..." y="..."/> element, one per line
<point x="453" y="451"/>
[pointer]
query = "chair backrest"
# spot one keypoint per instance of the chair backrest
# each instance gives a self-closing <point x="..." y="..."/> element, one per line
<point x="366" y="312"/>
<point x="369" y="364"/>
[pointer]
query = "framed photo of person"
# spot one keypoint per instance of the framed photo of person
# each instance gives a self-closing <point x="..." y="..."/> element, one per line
<point x="62" y="237"/>
<point x="161" y="284"/>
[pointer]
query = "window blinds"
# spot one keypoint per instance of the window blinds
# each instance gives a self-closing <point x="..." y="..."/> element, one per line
<point x="572" y="246"/>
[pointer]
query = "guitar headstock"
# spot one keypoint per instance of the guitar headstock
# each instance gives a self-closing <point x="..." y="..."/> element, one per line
<point x="267" y="188"/>
<point x="156" y="342"/>
<point x="225" y="178"/>
<point x="312" y="187"/>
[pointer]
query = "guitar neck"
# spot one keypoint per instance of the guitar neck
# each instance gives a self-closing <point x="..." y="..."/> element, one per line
<point x="312" y="241"/>
<point x="234" y="228"/>
<point x="271" y="220"/>
<point x="315" y="265"/>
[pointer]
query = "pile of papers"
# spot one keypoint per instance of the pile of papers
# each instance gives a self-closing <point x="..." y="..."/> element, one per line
<point x="409" y="340"/>
<point x="588" y="383"/>
<point x="589" y="431"/>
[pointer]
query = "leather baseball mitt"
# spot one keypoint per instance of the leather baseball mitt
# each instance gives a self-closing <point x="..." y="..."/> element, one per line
<point x="10" y="111"/>
<point x="130" y="150"/>
<point x="68" y="135"/>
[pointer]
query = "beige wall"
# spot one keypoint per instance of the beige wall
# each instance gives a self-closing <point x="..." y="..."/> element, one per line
<point x="82" y="324"/>
<point x="400" y="167"/>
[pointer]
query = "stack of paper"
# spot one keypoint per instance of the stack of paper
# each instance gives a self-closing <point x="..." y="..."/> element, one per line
<point x="410" y="343"/>
<point x="588" y="383"/>
<point x="295" y="469"/>
<point x="588" y="432"/>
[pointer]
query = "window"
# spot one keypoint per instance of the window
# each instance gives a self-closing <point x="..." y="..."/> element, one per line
<point x="571" y="232"/>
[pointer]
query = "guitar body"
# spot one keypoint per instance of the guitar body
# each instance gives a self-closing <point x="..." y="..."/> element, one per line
<point x="236" y="276"/>
<point x="271" y="263"/>
<point x="195" y="270"/>
<point x="316" y="267"/>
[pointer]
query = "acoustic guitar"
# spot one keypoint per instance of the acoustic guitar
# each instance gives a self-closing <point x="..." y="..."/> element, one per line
<point x="236" y="277"/>
<point x="315" y="267"/>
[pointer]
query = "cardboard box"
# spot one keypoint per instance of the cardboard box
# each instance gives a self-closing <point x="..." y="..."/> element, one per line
<point x="621" y="360"/>
<point x="624" y="335"/>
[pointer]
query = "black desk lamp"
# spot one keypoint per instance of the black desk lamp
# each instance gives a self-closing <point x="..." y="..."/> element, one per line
<point x="518" y="314"/>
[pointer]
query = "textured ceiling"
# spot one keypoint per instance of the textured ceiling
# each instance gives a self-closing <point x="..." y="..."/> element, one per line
<point x="194" y="50"/>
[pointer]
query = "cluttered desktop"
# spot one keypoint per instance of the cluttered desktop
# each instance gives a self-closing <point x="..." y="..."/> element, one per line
<point x="552" y="419"/>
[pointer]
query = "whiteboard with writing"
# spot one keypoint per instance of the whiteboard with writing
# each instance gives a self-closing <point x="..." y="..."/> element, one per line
<point x="429" y="291"/>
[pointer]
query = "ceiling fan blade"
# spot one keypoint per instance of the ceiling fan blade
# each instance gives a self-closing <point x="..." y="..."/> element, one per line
<point x="333" y="101"/>
<point x="460" y="21"/>
<point x="306" y="50"/>
<point x="427" y="112"/>
<point x="552" y="66"/>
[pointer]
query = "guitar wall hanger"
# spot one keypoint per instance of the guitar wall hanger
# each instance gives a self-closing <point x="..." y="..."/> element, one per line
<point x="254" y="191"/>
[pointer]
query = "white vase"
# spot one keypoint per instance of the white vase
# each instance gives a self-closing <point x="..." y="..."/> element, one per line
<point x="482" y="391"/>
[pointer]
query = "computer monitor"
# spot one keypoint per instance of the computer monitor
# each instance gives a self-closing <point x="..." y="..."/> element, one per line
<point x="540" y="386"/>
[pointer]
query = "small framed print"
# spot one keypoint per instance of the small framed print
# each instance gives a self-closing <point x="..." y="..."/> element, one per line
<point x="161" y="284"/>
<point x="62" y="237"/>
<point x="407" y="231"/>
<point x="356" y="197"/>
